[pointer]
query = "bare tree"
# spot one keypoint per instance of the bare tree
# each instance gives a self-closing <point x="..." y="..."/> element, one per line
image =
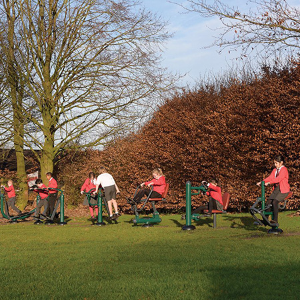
<point x="91" y="70"/>
<point x="12" y="91"/>
<point x="268" y="26"/>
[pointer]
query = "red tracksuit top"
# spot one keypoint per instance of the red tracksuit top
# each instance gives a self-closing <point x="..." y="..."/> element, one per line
<point x="88" y="185"/>
<point x="159" y="185"/>
<point x="10" y="190"/>
<point x="215" y="192"/>
<point x="52" y="184"/>
<point x="43" y="193"/>
<point x="282" y="179"/>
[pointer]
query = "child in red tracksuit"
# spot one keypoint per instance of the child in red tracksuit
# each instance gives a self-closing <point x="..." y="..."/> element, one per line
<point x="86" y="187"/>
<point x="10" y="190"/>
<point x="280" y="178"/>
<point x="41" y="189"/>
<point x="215" y="199"/>
<point x="159" y="185"/>
<point x="52" y="197"/>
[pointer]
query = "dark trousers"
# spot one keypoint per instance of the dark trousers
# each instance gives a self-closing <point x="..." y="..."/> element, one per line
<point x="145" y="192"/>
<point x="274" y="199"/>
<point x="51" y="204"/>
<point x="11" y="203"/>
<point x="42" y="202"/>
<point x="212" y="204"/>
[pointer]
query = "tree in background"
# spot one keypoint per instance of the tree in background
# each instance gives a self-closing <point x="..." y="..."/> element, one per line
<point x="12" y="91"/>
<point x="269" y="25"/>
<point x="91" y="69"/>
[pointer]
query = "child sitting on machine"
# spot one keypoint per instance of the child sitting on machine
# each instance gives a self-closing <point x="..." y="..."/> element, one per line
<point x="159" y="185"/>
<point x="215" y="198"/>
<point x="41" y="189"/>
<point x="10" y="190"/>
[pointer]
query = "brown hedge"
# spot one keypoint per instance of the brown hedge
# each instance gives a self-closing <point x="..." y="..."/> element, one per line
<point x="227" y="132"/>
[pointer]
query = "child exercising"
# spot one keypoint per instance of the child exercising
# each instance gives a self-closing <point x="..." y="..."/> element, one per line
<point x="11" y="194"/>
<point x="279" y="177"/>
<point x="215" y="198"/>
<point x="110" y="190"/>
<point x="52" y="194"/>
<point x="86" y="187"/>
<point x="159" y="185"/>
<point x="41" y="189"/>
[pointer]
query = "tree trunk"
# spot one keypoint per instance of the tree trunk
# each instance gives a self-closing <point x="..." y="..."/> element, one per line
<point x="47" y="159"/>
<point x="16" y="95"/>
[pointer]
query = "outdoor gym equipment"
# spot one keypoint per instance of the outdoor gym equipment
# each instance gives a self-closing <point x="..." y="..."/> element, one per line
<point x="148" y="221"/>
<point x="59" y="202"/>
<point x="189" y="216"/>
<point x="100" y="198"/>
<point x="259" y="208"/>
<point x="12" y="219"/>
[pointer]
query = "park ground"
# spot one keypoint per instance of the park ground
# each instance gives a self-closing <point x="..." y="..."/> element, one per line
<point x="237" y="260"/>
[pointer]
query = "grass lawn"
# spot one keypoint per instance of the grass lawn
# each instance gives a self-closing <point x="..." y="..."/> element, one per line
<point x="79" y="261"/>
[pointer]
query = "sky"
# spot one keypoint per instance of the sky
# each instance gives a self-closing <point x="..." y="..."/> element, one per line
<point x="185" y="52"/>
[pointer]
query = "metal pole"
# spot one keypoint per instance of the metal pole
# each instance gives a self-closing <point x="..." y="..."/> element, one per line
<point x="62" y="209"/>
<point x="263" y="200"/>
<point x="99" y="203"/>
<point x="188" y="208"/>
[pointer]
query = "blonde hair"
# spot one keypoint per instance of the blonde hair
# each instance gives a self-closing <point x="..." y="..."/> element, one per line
<point x="158" y="171"/>
<point x="9" y="181"/>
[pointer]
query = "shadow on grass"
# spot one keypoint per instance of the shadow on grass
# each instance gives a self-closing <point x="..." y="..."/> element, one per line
<point x="177" y="223"/>
<point x="200" y="222"/>
<point x="205" y="221"/>
<point x="256" y="282"/>
<point x="244" y="222"/>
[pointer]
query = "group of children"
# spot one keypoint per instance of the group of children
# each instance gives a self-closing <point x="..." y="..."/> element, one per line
<point x="110" y="188"/>
<point x="48" y="196"/>
<point x="279" y="178"/>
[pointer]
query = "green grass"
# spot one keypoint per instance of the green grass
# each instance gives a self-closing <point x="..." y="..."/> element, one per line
<point x="78" y="261"/>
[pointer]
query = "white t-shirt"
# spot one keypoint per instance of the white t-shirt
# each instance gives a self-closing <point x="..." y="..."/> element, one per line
<point x="105" y="180"/>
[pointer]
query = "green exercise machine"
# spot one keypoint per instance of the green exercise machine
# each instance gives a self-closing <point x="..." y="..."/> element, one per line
<point x="189" y="216"/>
<point x="147" y="221"/>
<point x="259" y="211"/>
<point x="5" y="212"/>
<point x="60" y="202"/>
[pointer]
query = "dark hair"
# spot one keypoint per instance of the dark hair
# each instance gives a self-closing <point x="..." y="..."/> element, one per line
<point x="102" y="170"/>
<point x="38" y="181"/>
<point x="49" y="173"/>
<point x="279" y="158"/>
<point x="214" y="181"/>
<point x="91" y="174"/>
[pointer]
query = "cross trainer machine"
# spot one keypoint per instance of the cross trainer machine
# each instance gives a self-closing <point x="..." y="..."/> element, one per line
<point x="259" y="211"/>
<point x="5" y="212"/>
<point x="100" y="198"/>
<point x="59" y="202"/>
